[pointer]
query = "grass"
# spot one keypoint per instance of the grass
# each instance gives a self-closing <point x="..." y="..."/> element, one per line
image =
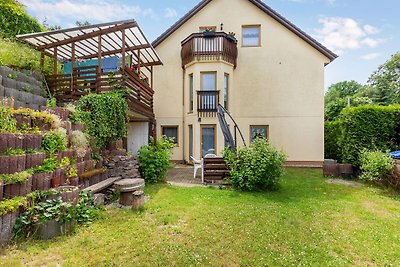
<point x="307" y="222"/>
<point x="17" y="55"/>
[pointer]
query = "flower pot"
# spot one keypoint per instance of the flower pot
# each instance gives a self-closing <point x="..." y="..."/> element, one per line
<point x="51" y="229"/>
<point x="12" y="164"/>
<point x="33" y="160"/>
<point x="41" y="181"/>
<point x="331" y="170"/>
<point x="74" y="181"/>
<point x="15" y="190"/>
<point x="22" y="120"/>
<point x="32" y="141"/>
<point x="209" y="34"/>
<point x="346" y="170"/>
<point x="55" y="182"/>
<point x="69" y="193"/>
<point x="7" y="222"/>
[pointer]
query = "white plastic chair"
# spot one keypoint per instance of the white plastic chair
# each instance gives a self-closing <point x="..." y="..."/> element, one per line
<point x="198" y="164"/>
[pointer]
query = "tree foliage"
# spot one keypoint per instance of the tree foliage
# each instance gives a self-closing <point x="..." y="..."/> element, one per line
<point x="386" y="81"/>
<point x="14" y="20"/>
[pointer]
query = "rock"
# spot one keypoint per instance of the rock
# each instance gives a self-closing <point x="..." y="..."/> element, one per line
<point x="99" y="199"/>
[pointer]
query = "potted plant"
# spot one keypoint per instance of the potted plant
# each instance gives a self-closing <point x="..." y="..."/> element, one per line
<point x="72" y="176"/>
<point x="231" y="37"/>
<point x="209" y="33"/>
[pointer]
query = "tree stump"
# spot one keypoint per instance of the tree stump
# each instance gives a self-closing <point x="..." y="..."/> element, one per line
<point x="126" y="187"/>
<point x="137" y="200"/>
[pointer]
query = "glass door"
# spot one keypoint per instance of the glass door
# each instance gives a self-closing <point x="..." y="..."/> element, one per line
<point x="207" y="140"/>
<point x="208" y="91"/>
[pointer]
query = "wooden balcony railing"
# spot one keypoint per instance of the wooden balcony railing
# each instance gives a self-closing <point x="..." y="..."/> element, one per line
<point x="209" y="46"/>
<point x="207" y="102"/>
<point x="85" y="80"/>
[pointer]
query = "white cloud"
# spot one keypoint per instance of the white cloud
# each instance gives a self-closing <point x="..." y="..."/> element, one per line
<point x="85" y="10"/>
<point x="170" y="13"/>
<point x="340" y="34"/>
<point x="370" y="56"/>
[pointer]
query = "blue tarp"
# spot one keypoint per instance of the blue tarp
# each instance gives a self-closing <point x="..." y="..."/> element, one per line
<point x="395" y="154"/>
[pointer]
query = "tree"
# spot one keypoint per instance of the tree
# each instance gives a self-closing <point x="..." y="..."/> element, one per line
<point x="386" y="81"/>
<point x="81" y="24"/>
<point x="14" y="20"/>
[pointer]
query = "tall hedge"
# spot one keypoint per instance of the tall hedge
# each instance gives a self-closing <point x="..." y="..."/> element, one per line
<point x="14" y="20"/>
<point x="333" y="134"/>
<point x="369" y="127"/>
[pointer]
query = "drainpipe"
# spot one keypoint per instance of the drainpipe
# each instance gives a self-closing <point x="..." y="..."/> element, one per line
<point x="183" y="114"/>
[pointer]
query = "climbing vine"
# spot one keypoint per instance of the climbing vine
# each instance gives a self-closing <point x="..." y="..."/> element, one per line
<point x="105" y="116"/>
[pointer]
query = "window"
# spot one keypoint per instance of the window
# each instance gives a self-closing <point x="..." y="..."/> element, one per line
<point x="208" y="81"/>
<point x="170" y="131"/>
<point x="226" y="90"/>
<point x="261" y="131"/>
<point x="251" y="35"/>
<point x="191" y="92"/>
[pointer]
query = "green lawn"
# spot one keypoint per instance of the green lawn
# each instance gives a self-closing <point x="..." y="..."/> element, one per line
<point x="308" y="222"/>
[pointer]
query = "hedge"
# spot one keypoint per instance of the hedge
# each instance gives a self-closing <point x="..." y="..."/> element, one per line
<point x="333" y="133"/>
<point x="368" y="127"/>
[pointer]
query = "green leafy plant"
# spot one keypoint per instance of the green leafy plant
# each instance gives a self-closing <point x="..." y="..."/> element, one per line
<point x="375" y="165"/>
<point x="71" y="172"/>
<point x="105" y="116"/>
<point x="256" y="168"/>
<point x="154" y="159"/>
<point x="54" y="142"/>
<point x="7" y="122"/>
<point x="65" y="161"/>
<point x="15" y="178"/>
<point x="11" y="205"/>
<point x="51" y="103"/>
<point x="85" y="211"/>
<point x="48" y="166"/>
<point x="14" y="152"/>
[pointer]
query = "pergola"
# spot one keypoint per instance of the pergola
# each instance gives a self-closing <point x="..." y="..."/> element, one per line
<point x="97" y="42"/>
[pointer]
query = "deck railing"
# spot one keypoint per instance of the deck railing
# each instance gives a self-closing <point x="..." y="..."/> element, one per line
<point x="89" y="79"/>
<point x="209" y="46"/>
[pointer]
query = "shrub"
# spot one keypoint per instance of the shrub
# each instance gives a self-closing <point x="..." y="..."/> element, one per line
<point x="333" y="133"/>
<point x="54" y="142"/>
<point x="256" y="168"/>
<point x="11" y="205"/>
<point x="154" y="159"/>
<point x="369" y="127"/>
<point x="79" y="142"/>
<point x="375" y="165"/>
<point x="15" y="178"/>
<point x="7" y="122"/>
<point x="48" y="166"/>
<point x="105" y="116"/>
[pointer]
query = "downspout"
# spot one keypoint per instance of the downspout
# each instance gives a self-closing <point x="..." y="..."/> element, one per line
<point x="183" y="114"/>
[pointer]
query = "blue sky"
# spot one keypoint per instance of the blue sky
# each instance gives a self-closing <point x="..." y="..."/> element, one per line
<point x="363" y="33"/>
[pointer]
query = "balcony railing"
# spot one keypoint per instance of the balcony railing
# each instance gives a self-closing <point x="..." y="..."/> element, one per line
<point x="85" y="80"/>
<point x="207" y="102"/>
<point x="209" y="46"/>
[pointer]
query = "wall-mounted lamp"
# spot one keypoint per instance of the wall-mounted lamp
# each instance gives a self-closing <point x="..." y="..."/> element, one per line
<point x="222" y="27"/>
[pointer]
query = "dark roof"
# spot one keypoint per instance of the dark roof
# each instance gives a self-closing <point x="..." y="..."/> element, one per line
<point x="275" y="15"/>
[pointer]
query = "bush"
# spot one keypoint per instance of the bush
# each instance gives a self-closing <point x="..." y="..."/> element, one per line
<point x="369" y="127"/>
<point x="105" y="116"/>
<point x="54" y="142"/>
<point x="154" y="159"/>
<point x="80" y="143"/>
<point x="256" y="168"/>
<point x="333" y="133"/>
<point x="7" y="122"/>
<point x="375" y="165"/>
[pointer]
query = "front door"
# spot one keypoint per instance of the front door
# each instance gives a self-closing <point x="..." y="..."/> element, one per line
<point x="207" y="140"/>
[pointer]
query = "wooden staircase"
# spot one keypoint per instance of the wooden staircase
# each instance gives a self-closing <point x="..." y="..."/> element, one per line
<point x="215" y="170"/>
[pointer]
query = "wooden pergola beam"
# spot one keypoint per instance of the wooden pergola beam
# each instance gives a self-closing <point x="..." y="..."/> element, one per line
<point x="114" y="52"/>
<point x="90" y="35"/>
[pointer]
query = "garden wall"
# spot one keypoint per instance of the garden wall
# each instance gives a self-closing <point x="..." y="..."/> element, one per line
<point x="25" y="87"/>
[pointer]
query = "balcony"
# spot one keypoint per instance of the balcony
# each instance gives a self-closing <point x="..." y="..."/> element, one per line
<point x="207" y="103"/>
<point x="209" y="46"/>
